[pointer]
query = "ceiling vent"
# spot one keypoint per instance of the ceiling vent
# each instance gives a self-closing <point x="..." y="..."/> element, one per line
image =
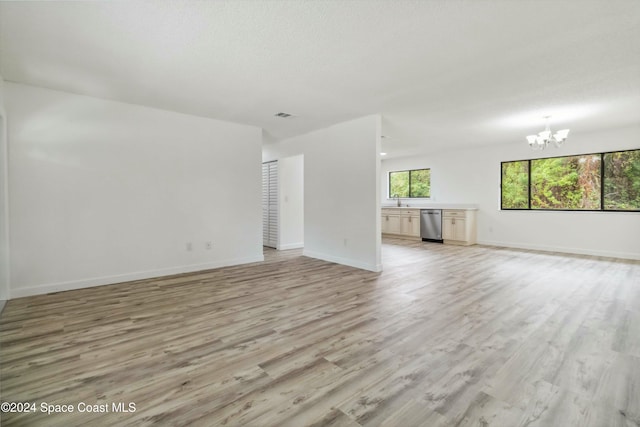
<point x="284" y="115"/>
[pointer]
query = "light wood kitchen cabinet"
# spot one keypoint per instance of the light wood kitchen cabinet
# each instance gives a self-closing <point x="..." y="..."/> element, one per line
<point x="401" y="222"/>
<point x="391" y="223"/>
<point x="410" y="225"/>
<point x="454" y="228"/>
<point x="459" y="226"/>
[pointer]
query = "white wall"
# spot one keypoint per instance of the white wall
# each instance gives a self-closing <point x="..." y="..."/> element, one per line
<point x="291" y="203"/>
<point x="103" y="192"/>
<point x="4" y="208"/>
<point x="473" y="176"/>
<point x="341" y="191"/>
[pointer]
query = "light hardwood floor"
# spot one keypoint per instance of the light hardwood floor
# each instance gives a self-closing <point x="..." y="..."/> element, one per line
<point x="446" y="335"/>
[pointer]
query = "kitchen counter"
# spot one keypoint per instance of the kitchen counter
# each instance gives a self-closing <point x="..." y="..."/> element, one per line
<point x="463" y="206"/>
<point x="458" y="222"/>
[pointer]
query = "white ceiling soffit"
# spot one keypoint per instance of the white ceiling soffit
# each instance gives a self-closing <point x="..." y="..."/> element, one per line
<point x="443" y="73"/>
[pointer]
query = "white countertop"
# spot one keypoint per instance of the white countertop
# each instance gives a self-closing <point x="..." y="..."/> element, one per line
<point x="464" y="206"/>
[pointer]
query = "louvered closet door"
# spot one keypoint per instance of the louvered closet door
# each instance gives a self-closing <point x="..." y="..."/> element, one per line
<point x="270" y="204"/>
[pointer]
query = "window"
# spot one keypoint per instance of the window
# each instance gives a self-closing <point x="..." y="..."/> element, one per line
<point x="515" y="185"/>
<point x="566" y="183"/>
<point x="399" y="184"/>
<point x="588" y="182"/>
<point x="622" y="181"/>
<point x="410" y="184"/>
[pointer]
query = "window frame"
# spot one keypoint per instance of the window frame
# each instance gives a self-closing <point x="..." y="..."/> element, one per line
<point x="390" y="196"/>
<point x="602" y="186"/>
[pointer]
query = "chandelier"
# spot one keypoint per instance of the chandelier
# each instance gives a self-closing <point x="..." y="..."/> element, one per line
<point x="544" y="138"/>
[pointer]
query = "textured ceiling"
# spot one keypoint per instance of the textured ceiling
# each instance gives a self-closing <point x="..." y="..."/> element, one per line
<point x="443" y="73"/>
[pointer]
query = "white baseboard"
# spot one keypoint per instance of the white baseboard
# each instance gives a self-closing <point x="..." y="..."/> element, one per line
<point x="344" y="261"/>
<point x="118" y="278"/>
<point x="576" y="251"/>
<point x="291" y="246"/>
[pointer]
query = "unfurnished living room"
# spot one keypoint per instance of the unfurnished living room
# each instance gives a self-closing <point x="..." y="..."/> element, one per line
<point x="320" y="213"/>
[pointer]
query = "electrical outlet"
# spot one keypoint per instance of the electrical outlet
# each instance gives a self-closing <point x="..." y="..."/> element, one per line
<point x="189" y="247"/>
<point x="208" y="245"/>
<point x="345" y="242"/>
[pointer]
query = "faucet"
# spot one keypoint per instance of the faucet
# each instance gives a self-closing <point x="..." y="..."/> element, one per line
<point x="397" y="199"/>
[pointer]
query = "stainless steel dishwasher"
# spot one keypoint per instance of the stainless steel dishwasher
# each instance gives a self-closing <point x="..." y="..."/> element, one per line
<point x="431" y="225"/>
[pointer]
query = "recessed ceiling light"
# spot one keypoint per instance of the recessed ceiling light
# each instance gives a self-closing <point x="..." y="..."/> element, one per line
<point x="383" y="154"/>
